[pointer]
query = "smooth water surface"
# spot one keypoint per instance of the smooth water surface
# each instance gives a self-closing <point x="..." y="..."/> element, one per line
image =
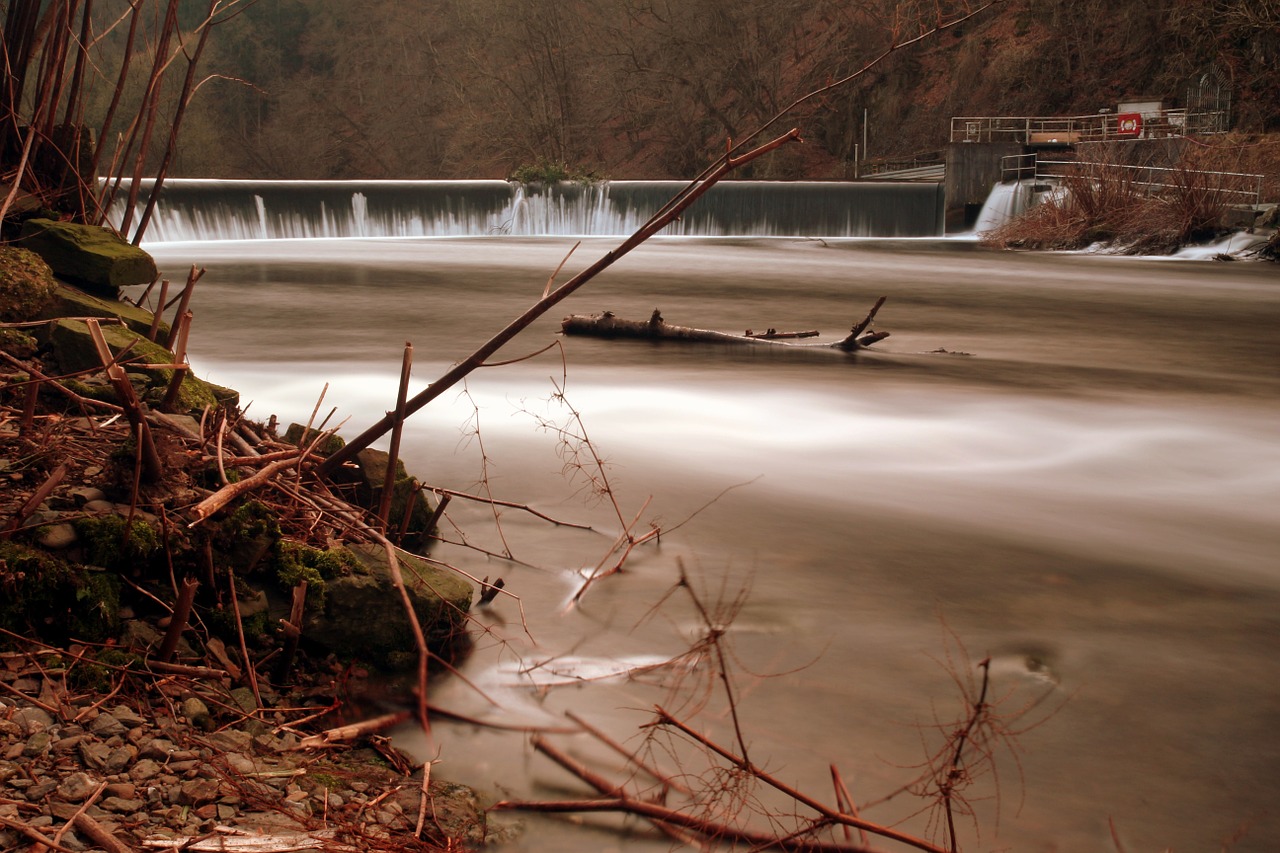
<point x="1070" y="464"/>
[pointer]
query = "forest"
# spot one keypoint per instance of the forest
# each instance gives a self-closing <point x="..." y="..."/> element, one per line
<point x="647" y="89"/>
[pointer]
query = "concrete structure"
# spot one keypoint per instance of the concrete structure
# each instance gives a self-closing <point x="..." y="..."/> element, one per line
<point x="973" y="168"/>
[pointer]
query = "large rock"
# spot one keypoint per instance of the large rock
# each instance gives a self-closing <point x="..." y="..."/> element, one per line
<point x="364" y="616"/>
<point x="74" y="351"/>
<point x="88" y="255"/>
<point x="362" y="483"/>
<point x="26" y="285"/>
<point x="70" y="301"/>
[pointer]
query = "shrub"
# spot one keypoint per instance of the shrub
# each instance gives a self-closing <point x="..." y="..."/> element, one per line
<point x="1100" y="203"/>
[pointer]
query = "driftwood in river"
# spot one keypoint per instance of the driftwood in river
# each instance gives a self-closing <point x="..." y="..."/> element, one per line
<point x="608" y="325"/>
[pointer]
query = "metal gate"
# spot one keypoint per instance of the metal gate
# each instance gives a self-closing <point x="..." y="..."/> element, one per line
<point x="1209" y="103"/>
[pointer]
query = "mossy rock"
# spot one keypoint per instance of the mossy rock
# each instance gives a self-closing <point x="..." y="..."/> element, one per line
<point x="293" y="563"/>
<point x="113" y="543"/>
<point x="18" y="343"/>
<point x="299" y="436"/>
<point x="26" y="285"/>
<point x="88" y="255"/>
<point x="367" y="480"/>
<point x="364" y="617"/>
<point x="55" y="600"/>
<point x="74" y="351"/>
<point x="71" y="301"/>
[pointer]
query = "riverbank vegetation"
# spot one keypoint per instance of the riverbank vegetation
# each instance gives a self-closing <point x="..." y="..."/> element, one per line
<point x="1142" y="209"/>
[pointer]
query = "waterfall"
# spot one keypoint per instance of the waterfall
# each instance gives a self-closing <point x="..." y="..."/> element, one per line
<point x="199" y="209"/>
<point x="1004" y="203"/>
<point x="360" y="214"/>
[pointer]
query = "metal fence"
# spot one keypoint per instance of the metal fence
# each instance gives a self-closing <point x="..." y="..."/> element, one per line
<point x="1154" y="179"/>
<point x="1098" y="127"/>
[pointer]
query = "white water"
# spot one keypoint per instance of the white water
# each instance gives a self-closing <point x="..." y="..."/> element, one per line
<point x="1005" y="202"/>
<point x="249" y="210"/>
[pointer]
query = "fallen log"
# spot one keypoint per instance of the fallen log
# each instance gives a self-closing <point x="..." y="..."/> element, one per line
<point x="606" y="324"/>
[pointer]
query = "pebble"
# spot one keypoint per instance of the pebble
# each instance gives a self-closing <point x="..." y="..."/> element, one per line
<point x="160" y="777"/>
<point x="77" y="787"/>
<point x="83" y="494"/>
<point x="58" y="537"/>
<point x="106" y="725"/>
<point x="32" y="719"/>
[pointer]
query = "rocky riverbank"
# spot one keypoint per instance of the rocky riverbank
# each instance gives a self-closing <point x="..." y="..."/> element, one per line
<point x="186" y="613"/>
<point x="82" y="771"/>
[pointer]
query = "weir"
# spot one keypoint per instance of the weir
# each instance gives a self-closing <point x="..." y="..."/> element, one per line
<point x="196" y="209"/>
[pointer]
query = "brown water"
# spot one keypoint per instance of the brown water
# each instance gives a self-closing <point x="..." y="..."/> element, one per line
<point x="1089" y="494"/>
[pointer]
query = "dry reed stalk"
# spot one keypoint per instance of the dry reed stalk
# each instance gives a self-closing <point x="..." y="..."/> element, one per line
<point x="393" y="452"/>
<point x="178" y="619"/>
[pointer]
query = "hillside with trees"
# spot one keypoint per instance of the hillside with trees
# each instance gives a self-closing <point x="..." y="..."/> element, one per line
<point x="329" y="89"/>
<point x="652" y="88"/>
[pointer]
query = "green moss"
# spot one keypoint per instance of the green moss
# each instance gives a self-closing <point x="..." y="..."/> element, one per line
<point x="251" y="518"/>
<point x="118" y="658"/>
<point x="26" y="284"/>
<point x="74" y="350"/>
<point x="113" y="543"/>
<point x="222" y="622"/>
<point x="552" y="172"/>
<point x="324" y="780"/>
<point x="71" y="301"/>
<point x="298" y="435"/>
<point x="18" y="343"/>
<point x="294" y="563"/>
<point x="92" y="390"/>
<point x="42" y="596"/>
<point x="88" y="254"/>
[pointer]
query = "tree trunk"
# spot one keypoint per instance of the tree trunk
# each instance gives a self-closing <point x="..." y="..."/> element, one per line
<point x="608" y="325"/>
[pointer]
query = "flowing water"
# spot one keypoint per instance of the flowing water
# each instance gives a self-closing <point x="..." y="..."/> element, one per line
<point x="1067" y="463"/>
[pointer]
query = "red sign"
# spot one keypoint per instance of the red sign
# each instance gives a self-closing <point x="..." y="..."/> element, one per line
<point x="1129" y="124"/>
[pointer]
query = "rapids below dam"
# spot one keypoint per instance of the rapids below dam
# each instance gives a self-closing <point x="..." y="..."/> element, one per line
<point x="1067" y="463"/>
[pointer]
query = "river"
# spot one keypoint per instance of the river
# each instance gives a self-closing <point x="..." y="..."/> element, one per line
<point x="1067" y="463"/>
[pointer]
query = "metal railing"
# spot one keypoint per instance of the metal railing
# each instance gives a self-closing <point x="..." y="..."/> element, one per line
<point x="1154" y="179"/>
<point x="1099" y="127"/>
